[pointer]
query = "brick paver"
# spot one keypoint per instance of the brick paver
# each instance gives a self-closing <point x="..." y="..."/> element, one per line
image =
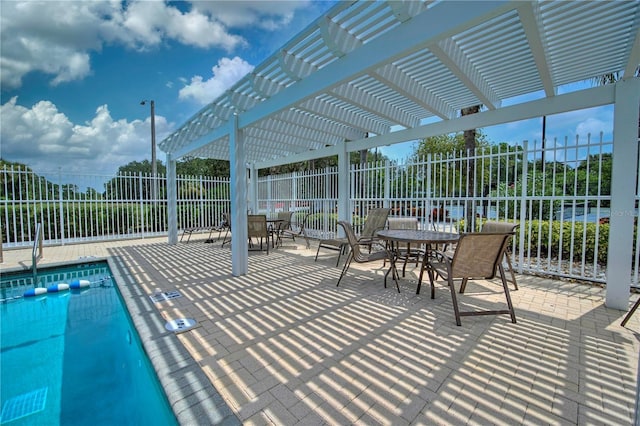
<point x="283" y="345"/>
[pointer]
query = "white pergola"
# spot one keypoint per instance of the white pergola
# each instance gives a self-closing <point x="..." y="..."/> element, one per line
<point x="386" y="68"/>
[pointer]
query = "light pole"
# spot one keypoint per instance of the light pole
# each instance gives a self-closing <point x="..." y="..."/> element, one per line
<point x="154" y="167"/>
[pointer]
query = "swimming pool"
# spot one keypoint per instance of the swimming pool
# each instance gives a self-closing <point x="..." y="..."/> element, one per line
<point x="74" y="357"/>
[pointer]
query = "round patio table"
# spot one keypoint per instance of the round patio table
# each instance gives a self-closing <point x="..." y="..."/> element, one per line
<point x="418" y="237"/>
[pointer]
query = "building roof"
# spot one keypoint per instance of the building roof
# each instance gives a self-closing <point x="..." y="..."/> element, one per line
<point x="373" y="68"/>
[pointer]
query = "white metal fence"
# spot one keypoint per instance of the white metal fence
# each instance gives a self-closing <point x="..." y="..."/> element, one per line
<point x="124" y="207"/>
<point x="560" y="196"/>
<point x="561" y="201"/>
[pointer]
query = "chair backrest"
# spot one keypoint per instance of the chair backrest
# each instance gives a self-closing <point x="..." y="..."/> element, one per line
<point x="376" y="221"/>
<point x="285" y="217"/>
<point x="478" y="254"/>
<point x="499" y="227"/>
<point x="353" y="241"/>
<point x="403" y="223"/>
<point x="257" y="226"/>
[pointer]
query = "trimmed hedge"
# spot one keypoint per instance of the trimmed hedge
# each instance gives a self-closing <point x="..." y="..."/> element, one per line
<point x="568" y="240"/>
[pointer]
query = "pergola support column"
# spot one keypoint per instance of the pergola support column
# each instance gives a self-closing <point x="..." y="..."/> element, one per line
<point x="253" y="189"/>
<point x="239" y="233"/>
<point x="172" y="201"/>
<point x="343" y="185"/>
<point x="623" y="193"/>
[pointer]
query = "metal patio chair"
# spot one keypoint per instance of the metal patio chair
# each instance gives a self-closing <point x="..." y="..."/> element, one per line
<point x="226" y="218"/>
<point x="257" y="228"/>
<point x="298" y="228"/>
<point x="356" y="254"/>
<point x="283" y="228"/>
<point x="477" y="256"/>
<point x="376" y="220"/>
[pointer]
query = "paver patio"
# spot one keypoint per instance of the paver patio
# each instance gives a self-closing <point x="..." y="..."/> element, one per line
<point x="282" y="345"/>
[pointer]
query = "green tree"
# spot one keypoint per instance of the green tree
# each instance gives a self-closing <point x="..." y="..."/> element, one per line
<point x="446" y="144"/>
<point x="321" y="163"/>
<point x="453" y="145"/>
<point x="133" y="181"/>
<point x="12" y="186"/>
<point x="193" y="166"/>
<point x="92" y="194"/>
<point x="137" y="167"/>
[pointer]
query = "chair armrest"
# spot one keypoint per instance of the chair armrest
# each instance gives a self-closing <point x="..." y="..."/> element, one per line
<point x="372" y="243"/>
<point x="439" y="255"/>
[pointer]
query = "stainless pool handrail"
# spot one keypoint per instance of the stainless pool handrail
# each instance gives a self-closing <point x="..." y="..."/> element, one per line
<point x="37" y="244"/>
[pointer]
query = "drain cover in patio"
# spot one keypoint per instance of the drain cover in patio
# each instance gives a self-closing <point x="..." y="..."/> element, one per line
<point x="163" y="296"/>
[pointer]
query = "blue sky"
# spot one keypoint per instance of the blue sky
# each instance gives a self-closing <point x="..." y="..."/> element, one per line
<point x="73" y="75"/>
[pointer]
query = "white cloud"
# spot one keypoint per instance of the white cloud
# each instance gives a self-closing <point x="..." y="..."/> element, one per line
<point x="582" y="123"/>
<point x="225" y="74"/>
<point x="57" y="37"/>
<point x="45" y="139"/>
<point x="46" y="37"/>
<point x="147" y="23"/>
<point x="592" y="126"/>
<point x="265" y="14"/>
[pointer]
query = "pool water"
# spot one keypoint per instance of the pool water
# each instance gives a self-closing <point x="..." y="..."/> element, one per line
<point x="74" y="358"/>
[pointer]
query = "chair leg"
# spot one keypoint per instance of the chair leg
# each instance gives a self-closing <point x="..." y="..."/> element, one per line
<point x="344" y="269"/>
<point x="225" y="241"/>
<point x="340" y="253"/>
<point x="630" y="313"/>
<point x="513" y="275"/>
<point x="454" y="300"/>
<point x="463" y="286"/>
<point x="220" y="233"/>
<point x="506" y="293"/>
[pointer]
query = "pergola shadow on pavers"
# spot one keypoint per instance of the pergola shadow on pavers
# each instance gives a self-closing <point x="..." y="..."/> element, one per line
<point x="282" y="344"/>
